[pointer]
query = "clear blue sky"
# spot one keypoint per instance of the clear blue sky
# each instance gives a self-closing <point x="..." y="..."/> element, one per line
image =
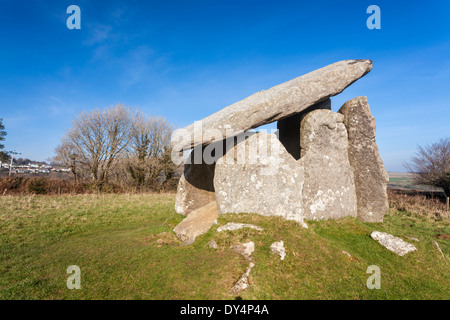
<point x="187" y="59"/>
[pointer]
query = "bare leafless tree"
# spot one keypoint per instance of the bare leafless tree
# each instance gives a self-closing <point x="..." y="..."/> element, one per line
<point x="67" y="156"/>
<point x="125" y="145"/>
<point x="148" y="150"/>
<point x="98" y="138"/>
<point x="431" y="165"/>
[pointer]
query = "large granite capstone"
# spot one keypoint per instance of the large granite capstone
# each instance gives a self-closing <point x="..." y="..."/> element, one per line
<point x="271" y="105"/>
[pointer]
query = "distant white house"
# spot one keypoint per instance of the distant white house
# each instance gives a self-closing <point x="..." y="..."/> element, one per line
<point x="32" y="168"/>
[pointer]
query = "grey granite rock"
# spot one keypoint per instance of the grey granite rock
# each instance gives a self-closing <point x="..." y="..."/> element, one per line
<point x="242" y="283"/>
<point x="196" y="223"/>
<point x="244" y="249"/>
<point x="196" y="187"/>
<point x="274" y="104"/>
<point x="329" y="189"/>
<point x="261" y="178"/>
<point x="278" y="248"/>
<point x="289" y="128"/>
<point x="370" y="175"/>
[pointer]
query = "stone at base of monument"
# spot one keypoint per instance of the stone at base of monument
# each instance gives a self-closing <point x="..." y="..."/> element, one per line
<point x="242" y="284"/>
<point x="197" y="223"/>
<point x="261" y="177"/>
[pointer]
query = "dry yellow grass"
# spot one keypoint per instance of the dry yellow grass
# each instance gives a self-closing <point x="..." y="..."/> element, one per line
<point x="417" y="204"/>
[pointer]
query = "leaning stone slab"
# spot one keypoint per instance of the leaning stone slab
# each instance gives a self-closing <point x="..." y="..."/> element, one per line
<point x="213" y="244"/>
<point x="195" y="187"/>
<point x="197" y="223"/>
<point x="272" y="105"/>
<point x="260" y="177"/>
<point x="392" y="243"/>
<point x="328" y="190"/>
<point x="370" y="176"/>
<point x="231" y="226"/>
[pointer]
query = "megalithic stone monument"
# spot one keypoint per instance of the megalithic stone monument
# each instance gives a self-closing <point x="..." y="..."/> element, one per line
<point x="324" y="165"/>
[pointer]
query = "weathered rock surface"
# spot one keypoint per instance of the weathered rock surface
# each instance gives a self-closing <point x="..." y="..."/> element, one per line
<point x="197" y="223"/>
<point x="242" y="283"/>
<point x="212" y="244"/>
<point x="231" y="226"/>
<point x="349" y="255"/>
<point x="392" y="243"/>
<point x="244" y="249"/>
<point x="274" y="104"/>
<point x="370" y="176"/>
<point x="196" y="187"/>
<point x="289" y="128"/>
<point x="329" y="189"/>
<point x="325" y="165"/>
<point x="267" y="180"/>
<point x="278" y="248"/>
<point x="436" y="245"/>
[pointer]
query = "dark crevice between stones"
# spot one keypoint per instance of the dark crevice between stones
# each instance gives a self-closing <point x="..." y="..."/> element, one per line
<point x="289" y="128"/>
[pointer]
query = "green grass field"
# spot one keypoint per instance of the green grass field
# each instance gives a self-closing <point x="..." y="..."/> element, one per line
<point x="403" y="180"/>
<point x="126" y="249"/>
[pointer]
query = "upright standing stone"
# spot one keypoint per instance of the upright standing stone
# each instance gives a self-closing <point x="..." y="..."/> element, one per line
<point x="370" y="176"/>
<point x="259" y="177"/>
<point x="289" y="128"/>
<point x="328" y="190"/>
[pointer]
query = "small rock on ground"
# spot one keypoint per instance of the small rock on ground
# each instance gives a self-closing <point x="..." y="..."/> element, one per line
<point x="242" y="283"/>
<point x="212" y="244"/>
<point x="278" y="248"/>
<point x="196" y="223"/>
<point x="231" y="226"/>
<point x="349" y="255"/>
<point x="392" y="243"/>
